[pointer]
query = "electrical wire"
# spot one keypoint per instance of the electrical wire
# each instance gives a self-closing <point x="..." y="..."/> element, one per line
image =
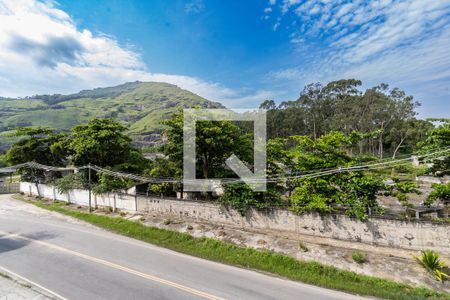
<point x="276" y="179"/>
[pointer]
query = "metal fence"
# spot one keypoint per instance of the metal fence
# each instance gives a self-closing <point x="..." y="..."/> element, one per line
<point x="9" y="188"/>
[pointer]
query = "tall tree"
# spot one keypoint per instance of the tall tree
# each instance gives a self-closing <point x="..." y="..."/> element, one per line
<point x="103" y="142"/>
<point x="39" y="144"/>
<point x="215" y="142"/>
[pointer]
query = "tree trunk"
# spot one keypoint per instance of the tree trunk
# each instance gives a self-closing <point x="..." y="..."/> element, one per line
<point x="380" y="142"/>
<point x="398" y="147"/>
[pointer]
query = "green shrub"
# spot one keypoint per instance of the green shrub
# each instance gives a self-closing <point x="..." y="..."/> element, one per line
<point x="359" y="257"/>
<point x="107" y="183"/>
<point x="241" y="197"/>
<point x="401" y="189"/>
<point x="441" y="192"/>
<point x="431" y="261"/>
<point x="72" y="181"/>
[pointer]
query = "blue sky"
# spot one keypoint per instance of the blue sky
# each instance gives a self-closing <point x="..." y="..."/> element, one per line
<point x="236" y="52"/>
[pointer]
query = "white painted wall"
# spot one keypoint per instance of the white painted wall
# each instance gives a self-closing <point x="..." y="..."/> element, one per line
<point x="81" y="197"/>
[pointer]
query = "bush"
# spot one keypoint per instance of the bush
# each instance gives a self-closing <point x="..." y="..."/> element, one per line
<point x="441" y="192"/>
<point x="359" y="257"/>
<point x="107" y="183"/>
<point x="354" y="192"/>
<point x="431" y="261"/>
<point x="241" y="197"/>
<point x="401" y="189"/>
<point x="70" y="182"/>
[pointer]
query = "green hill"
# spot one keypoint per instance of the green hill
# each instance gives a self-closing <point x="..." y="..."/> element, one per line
<point x="140" y="105"/>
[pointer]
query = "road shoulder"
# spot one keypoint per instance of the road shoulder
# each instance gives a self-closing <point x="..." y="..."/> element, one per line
<point x="13" y="286"/>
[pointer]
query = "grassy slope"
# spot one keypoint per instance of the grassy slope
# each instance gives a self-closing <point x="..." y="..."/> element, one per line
<point x="267" y="261"/>
<point x="142" y="107"/>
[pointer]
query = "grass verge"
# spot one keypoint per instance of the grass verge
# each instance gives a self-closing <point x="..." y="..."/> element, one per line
<point x="268" y="261"/>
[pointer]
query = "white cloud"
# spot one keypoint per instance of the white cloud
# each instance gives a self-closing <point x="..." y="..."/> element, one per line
<point x="275" y="26"/>
<point x="286" y="74"/>
<point x="403" y="42"/>
<point x="267" y="10"/>
<point x="195" y="6"/>
<point x="44" y="52"/>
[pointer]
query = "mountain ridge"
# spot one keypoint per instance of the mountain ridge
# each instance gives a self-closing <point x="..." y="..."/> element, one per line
<point x="140" y="105"/>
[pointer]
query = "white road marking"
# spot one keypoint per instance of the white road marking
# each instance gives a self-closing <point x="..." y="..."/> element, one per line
<point x="115" y="266"/>
<point x="33" y="283"/>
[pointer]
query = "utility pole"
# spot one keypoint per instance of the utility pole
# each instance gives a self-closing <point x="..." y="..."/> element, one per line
<point x="89" y="171"/>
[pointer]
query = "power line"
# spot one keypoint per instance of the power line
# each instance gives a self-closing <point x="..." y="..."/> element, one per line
<point x="306" y="173"/>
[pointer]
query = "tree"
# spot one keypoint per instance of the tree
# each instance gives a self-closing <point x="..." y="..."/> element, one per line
<point x="37" y="144"/>
<point x="341" y="106"/>
<point x="216" y="141"/>
<point x="353" y="192"/>
<point x="2" y="161"/>
<point x="103" y="142"/>
<point x="405" y="134"/>
<point x="164" y="168"/>
<point x="438" y="139"/>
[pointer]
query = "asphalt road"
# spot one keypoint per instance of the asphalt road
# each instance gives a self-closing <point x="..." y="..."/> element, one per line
<point x="75" y="260"/>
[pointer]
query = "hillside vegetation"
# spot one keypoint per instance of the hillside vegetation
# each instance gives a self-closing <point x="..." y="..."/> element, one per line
<point x="140" y="105"/>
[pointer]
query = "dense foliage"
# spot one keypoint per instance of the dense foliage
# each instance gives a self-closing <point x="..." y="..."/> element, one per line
<point x="436" y="140"/>
<point x="341" y="106"/>
<point x="240" y="197"/>
<point x="353" y="192"/>
<point x="441" y="192"/>
<point x="100" y="142"/>
<point x="103" y="142"/>
<point x="215" y="142"/>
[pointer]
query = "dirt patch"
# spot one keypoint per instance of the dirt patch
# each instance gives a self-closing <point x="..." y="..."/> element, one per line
<point x="384" y="262"/>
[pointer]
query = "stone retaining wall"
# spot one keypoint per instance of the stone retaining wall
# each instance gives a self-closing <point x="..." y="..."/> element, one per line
<point x="416" y="235"/>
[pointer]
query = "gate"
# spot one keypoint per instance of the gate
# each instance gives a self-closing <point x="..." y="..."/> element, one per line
<point x="9" y="188"/>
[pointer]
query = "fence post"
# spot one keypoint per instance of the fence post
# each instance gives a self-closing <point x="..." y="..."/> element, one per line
<point x="135" y="201"/>
<point x="10" y="182"/>
<point x="90" y="193"/>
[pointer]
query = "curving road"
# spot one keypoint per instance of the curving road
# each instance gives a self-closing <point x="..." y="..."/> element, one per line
<point x="74" y="260"/>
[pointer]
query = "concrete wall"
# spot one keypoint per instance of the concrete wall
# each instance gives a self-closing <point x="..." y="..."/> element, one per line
<point x="81" y="197"/>
<point x="378" y="231"/>
<point x="415" y="235"/>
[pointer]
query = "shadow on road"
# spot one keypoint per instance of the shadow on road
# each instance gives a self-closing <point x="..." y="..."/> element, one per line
<point x="10" y="243"/>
